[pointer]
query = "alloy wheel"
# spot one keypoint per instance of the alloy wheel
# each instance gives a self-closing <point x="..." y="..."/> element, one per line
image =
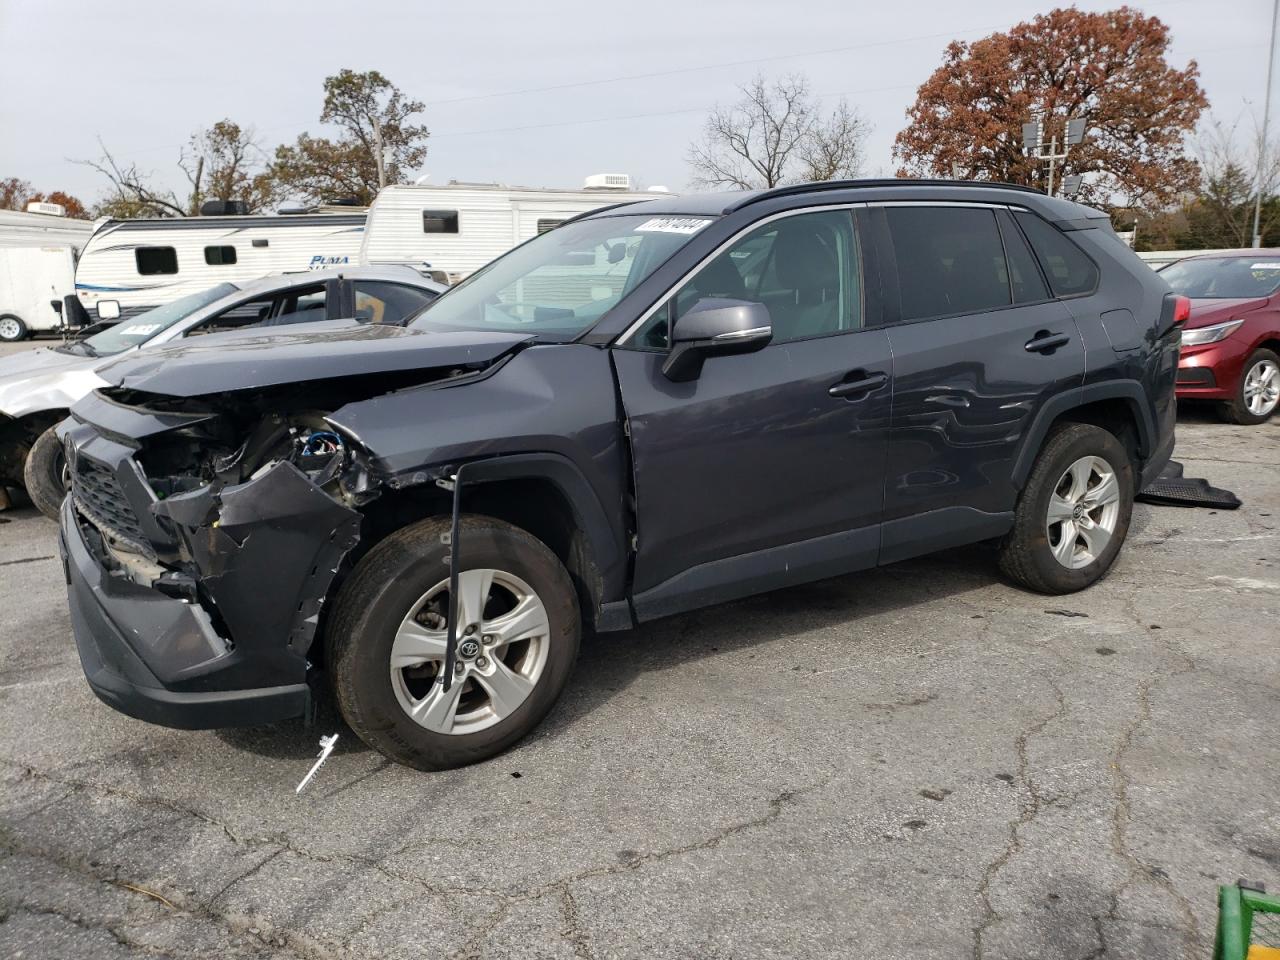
<point x="1262" y="388"/>
<point x="1083" y="511"/>
<point x="502" y="649"/>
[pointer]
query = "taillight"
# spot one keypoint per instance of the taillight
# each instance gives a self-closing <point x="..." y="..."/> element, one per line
<point x="1181" y="310"/>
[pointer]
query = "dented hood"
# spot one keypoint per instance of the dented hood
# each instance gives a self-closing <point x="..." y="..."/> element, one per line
<point x="254" y="359"/>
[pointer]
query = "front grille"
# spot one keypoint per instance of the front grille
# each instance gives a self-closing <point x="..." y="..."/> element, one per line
<point x="98" y="495"/>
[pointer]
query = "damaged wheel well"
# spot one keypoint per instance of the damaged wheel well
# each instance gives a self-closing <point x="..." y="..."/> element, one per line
<point x="17" y="434"/>
<point x="1116" y="416"/>
<point x="534" y="504"/>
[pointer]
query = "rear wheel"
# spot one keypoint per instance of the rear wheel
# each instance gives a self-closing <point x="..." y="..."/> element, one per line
<point x="12" y="328"/>
<point x="1258" y="393"/>
<point x="518" y="634"/>
<point x="1074" y="512"/>
<point x="45" y="474"/>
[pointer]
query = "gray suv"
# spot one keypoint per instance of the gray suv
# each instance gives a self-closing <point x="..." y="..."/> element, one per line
<point x="651" y="408"/>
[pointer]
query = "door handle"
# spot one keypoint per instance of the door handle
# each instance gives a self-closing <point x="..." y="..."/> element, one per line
<point x="1044" y="341"/>
<point x="851" y="388"/>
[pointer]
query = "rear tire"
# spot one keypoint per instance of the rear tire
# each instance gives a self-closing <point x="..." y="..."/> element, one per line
<point x="391" y="606"/>
<point x="45" y="474"/>
<point x="12" y="328"/>
<point x="1258" y="392"/>
<point x="1073" y="514"/>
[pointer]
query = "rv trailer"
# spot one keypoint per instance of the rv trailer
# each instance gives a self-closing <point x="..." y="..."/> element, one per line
<point x="454" y="229"/>
<point x="130" y="266"/>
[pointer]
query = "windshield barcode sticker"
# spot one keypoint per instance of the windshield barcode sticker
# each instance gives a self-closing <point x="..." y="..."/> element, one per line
<point x="1273" y="265"/>
<point x="139" y="329"/>
<point x="672" y="225"/>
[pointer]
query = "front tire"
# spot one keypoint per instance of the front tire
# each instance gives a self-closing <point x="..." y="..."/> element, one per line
<point x="1073" y="514"/>
<point x="12" y="328"/>
<point x="518" y="633"/>
<point x="1257" y="393"/>
<point x="45" y="474"/>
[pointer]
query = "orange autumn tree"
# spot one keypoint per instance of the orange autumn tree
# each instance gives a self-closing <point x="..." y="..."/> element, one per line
<point x="1109" y="68"/>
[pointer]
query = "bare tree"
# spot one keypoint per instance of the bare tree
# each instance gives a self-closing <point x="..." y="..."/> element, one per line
<point x="776" y="135"/>
<point x="132" y="193"/>
<point x="1223" y="208"/>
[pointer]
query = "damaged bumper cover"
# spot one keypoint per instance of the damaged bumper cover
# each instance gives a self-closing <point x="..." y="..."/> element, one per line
<point x="197" y="610"/>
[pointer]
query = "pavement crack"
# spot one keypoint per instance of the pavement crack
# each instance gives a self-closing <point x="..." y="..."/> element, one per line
<point x="1031" y="806"/>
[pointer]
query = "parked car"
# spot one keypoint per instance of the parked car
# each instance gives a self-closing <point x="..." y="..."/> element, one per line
<point x="646" y="410"/>
<point x="1231" y="344"/>
<point x="37" y="388"/>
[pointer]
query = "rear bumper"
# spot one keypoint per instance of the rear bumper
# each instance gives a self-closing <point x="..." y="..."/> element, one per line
<point x="127" y="636"/>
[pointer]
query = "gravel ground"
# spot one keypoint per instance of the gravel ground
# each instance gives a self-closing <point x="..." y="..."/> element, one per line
<point x="920" y="761"/>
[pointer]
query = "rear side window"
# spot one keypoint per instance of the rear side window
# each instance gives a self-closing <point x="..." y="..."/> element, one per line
<point x="219" y="256"/>
<point x="156" y="260"/>
<point x="1028" y="285"/>
<point x="1070" y="272"/>
<point x="950" y="260"/>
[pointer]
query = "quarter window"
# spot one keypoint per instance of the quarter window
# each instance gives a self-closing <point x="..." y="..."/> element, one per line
<point x="950" y="260"/>
<point x="1069" y="271"/>
<point x="156" y="260"/>
<point x="379" y="302"/>
<point x="1028" y="285"/>
<point x="219" y="256"/>
<point x="440" y="221"/>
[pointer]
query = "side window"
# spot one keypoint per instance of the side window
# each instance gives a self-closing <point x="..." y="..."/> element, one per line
<point x="1070" y="272"/>
<point x="220" y="256"/>
<point x="246" y="314"/>
<point x="380" y="302"/>
<point x="950" y="260"/>
<point x="439" y="221"/>
<point x="300" y="306"/>
<point x="804" y="268"/>
<point x="1028" y="285"/>
<point x="156" y="260"/>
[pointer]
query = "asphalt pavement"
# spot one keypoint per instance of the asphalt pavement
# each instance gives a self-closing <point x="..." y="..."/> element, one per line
<point x="918" y="761"/>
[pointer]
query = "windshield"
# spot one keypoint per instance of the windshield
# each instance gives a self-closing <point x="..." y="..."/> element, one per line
<point x="140" y="329"/>
<point x="560" y="283"/>
<point x="1224" y="278"/>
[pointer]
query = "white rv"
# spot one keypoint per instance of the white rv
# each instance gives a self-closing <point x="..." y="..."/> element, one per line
<point x="129" y="266"/>
<point x="43" y="225"/>
<point x="455" y="229"/>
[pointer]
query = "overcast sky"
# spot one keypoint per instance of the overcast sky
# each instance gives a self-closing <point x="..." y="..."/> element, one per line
<point x="144" y="75"/>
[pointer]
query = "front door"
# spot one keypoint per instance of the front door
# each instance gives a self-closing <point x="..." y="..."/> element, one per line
<point x="768" y="468"/>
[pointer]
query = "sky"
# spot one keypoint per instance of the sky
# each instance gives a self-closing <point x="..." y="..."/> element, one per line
<point x="536" y="94"/>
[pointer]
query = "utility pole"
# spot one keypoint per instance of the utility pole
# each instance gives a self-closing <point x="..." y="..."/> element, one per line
<point x="1266" y="116"/>
<point x="1033" y="142"/>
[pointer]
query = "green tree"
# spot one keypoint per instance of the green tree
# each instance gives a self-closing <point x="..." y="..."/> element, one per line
<point x="377" y="143"/>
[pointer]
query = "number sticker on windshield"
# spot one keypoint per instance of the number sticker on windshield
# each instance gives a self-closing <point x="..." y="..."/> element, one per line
<point x="685" y="225"/>
<point x="1274" y="265"/>
<point x="140" y="330"/>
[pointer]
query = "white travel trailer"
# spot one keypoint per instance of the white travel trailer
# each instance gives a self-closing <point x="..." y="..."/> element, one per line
<point x="31" y="279"/>
<point x="455" y="229"/>
<point x="129" y="266"/>
<point x="43" y="225"/>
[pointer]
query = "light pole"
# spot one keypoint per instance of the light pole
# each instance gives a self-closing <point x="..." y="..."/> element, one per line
<point x="1033" y="142"/>
<point x="1266" y="116"/>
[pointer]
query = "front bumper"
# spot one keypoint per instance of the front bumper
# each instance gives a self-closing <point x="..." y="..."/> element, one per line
<point x="127" y="636"/>
<point x="1211" y="371"/>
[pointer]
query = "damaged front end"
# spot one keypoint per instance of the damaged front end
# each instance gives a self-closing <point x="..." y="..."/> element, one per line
<point x="202" y="537"/>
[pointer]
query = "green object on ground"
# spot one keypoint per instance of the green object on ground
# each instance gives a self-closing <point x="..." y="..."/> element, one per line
<point x="1246" y="917"/>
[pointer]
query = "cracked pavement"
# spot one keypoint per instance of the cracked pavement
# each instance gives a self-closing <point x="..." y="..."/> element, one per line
<point x="919" y="761"/>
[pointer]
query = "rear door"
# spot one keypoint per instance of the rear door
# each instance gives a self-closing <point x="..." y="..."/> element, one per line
<point x="979" y="346"/>
<point x="757" y="474"/>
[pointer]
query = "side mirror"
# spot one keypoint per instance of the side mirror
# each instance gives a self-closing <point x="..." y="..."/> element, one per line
<point x="715" y="327"/>
<point x="108" y="309"/>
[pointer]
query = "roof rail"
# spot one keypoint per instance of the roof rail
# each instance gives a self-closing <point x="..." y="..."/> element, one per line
<point x="795" y="188"/>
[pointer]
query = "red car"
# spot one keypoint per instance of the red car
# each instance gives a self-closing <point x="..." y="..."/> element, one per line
<point x="1231" y="344"/>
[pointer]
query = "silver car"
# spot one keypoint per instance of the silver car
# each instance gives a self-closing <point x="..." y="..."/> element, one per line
<point x="37" y="387"/>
